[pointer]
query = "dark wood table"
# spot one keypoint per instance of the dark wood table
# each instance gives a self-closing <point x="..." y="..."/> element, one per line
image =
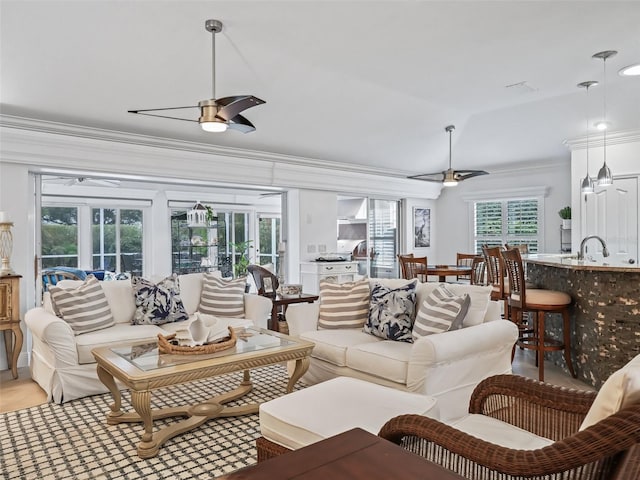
<point x="352" y="455"/>
<point x="283" y="302"/>
<point x="444" y="271"/>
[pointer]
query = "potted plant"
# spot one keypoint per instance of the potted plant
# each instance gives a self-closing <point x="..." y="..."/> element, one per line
<point x="240" y="267"/>
<point x="565" y="215"/>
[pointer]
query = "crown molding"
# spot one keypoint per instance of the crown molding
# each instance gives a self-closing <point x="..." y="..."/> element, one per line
<point x="597" y="139"/>
<point x="529" y="192"/>
<point x="47" y="145"/>
<point x="45" y="126"/>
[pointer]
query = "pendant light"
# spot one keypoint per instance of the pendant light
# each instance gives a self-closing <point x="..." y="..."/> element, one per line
<point x="604" y="175"/>
<point x="587" y="182"/>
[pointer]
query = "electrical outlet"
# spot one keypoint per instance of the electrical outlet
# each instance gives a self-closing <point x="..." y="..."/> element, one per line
<point x="322" y="248"/>
<point x="311" y="249"/>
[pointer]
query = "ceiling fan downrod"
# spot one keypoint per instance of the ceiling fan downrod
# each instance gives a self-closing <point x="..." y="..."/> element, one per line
<point x="213" y="26"/>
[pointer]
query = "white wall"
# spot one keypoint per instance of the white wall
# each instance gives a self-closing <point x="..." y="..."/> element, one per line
<point x="454" y="227"/>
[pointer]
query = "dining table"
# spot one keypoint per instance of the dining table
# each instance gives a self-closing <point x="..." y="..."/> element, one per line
<point x="444" y="271"/>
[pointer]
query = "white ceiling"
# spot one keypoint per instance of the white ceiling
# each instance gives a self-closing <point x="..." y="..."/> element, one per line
<point x="371" y="83"/>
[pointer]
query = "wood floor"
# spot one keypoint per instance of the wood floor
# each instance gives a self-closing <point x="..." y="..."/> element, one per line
<point x="24" y="392"/>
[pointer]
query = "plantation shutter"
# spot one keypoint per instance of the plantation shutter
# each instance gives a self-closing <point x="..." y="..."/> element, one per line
<point x="508" y="221"/>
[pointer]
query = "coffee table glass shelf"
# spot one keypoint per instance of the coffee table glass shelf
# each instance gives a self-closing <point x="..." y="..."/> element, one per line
<point x="141" y="368"/>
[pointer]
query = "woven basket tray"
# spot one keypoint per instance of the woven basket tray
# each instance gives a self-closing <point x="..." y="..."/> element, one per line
<point x="165" y="346"/>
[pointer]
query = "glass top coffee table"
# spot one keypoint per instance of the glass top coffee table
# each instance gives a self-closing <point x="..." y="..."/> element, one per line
<point x="142" y="369"/>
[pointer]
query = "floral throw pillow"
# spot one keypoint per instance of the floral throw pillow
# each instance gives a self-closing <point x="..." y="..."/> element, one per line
<point x="391" y="312"/>
<point x="158" y="303"/>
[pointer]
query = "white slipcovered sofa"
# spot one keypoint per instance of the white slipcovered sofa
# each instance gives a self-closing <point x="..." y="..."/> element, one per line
<point x="62" y="363"/>
<point x="446" y="365"/>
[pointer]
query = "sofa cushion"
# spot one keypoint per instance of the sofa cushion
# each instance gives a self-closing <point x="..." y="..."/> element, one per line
<point x="500" y="433"/>
<point x="386" y="359"/>
<point x="332" y="345"/>
<point x="391" y="312"/>
<point x="191" y="290"/>
<point x="441" y="311"/>
<point x="84" y="308"/>
<point x="480" y="296"/>
<point x="158" y="303"/>
<point x="620" y="390"/>
<point x="328" y="408"/>
<point x="121" y="301"/>
<point x="222" y="297"/>
<point x="344" y="305"/>
<point x="114" y="337"/>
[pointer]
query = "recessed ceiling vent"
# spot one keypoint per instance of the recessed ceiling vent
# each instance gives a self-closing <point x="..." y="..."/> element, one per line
<point x="521" y="87"/>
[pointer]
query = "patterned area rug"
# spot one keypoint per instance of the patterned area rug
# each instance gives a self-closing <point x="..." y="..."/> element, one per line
<point x="73" y="440"/>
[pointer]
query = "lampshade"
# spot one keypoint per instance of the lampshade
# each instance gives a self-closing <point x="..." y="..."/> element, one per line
<point x="587" y="182"/>
<point x="604" y="175"/>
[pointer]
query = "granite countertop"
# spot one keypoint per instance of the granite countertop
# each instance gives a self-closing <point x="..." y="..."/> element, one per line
<point x="570" y="261"/>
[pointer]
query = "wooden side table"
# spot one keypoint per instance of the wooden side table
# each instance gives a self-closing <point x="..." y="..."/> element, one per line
<point x="10" y="319"/>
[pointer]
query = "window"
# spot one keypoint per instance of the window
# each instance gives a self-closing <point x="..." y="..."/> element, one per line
<point x="116" y="237"/>
<point x="59" y="237"/>
<point x="269" y="237"/>
<point x="513" y="221"/>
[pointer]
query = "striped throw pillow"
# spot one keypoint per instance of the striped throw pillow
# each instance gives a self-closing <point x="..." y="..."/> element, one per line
<point x="84" y="308"/>
<point x="440" y="311"/>
<point x="222" y="297"/>
<point x="344" y="305"/>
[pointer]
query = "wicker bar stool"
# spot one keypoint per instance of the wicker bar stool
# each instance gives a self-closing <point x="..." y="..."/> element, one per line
<point x="540" y="302"/>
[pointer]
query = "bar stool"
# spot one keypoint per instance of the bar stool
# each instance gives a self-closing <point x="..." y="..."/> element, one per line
<point x="540" y="302"/>
<point x="494" y="267"/>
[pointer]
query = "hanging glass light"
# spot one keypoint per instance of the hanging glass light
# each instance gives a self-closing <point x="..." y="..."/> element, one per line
<point x="604" y="175"/>
<point x="587" y="182"/>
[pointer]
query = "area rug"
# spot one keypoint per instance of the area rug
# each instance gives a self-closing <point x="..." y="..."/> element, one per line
<point x="73" y="440"/>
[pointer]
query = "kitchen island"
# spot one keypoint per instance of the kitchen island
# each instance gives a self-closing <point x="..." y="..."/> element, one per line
<point x="605" y="330"/>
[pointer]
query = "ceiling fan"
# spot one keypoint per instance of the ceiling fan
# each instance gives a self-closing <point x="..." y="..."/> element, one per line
<point x="71" y="181"/>
<point x="449" y="177"/>
<point x="216" y="114"/>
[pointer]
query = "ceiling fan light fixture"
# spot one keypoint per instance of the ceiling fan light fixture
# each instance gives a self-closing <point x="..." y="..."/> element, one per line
<point x="449" y="179"/>
<point x="209" y="121"/>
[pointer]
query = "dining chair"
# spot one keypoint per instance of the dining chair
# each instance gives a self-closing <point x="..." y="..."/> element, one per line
<point x="539" y="302"/>
<point x="496" y="273"/>
<point x="416" y="267"/>
<point x="465" y="260"/>
<point x="401" y="259"/>
<point x="478" y="276"/>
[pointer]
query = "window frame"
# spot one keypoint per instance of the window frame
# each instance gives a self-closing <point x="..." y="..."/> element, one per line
<point x="532" y="193"/>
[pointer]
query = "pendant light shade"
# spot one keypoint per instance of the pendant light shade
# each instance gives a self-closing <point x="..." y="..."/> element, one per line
<point x="604" y="175"/>
<point x="587" y="183"/>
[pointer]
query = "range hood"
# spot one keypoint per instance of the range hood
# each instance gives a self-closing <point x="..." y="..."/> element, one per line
<point x="352" y="209"/>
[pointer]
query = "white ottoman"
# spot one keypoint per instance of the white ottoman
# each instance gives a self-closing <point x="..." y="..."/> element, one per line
<point x="335" y="406"/>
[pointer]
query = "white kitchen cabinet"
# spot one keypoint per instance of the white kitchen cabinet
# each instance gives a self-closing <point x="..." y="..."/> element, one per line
<point x="339" y="272"/>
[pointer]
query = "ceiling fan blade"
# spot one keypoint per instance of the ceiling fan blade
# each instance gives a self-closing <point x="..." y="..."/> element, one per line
<point x="232" y="106"/>
<point x="147" y="112"/>
<point x="241" y="124"/>
<point x="429" y="177"/>
<point x="465" y="174"/>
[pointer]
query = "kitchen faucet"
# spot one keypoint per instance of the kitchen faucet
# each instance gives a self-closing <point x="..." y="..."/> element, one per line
<point x="605" y="251"/>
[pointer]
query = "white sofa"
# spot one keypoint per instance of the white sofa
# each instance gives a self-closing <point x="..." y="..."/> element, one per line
<point x="447" y="365"/>
<point x="62" y="363"/>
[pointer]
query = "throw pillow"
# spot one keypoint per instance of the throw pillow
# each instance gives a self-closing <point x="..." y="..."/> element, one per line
<point x="222" y="297"/>
<point x="440" y="311"/>
<point x="391" y="312"/>
<point x="159" y="303"/>
<point x="344" y="305"/>
<point x="84" y="308"/>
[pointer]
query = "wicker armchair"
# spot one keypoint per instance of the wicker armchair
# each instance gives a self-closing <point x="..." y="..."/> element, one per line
<point x="609" y="449"/>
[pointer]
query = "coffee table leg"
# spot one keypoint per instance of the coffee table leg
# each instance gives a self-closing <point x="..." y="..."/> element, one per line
<point x="302" y="365"/>
<point x="107" y="379"/>
<point x="141" y="401"/>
